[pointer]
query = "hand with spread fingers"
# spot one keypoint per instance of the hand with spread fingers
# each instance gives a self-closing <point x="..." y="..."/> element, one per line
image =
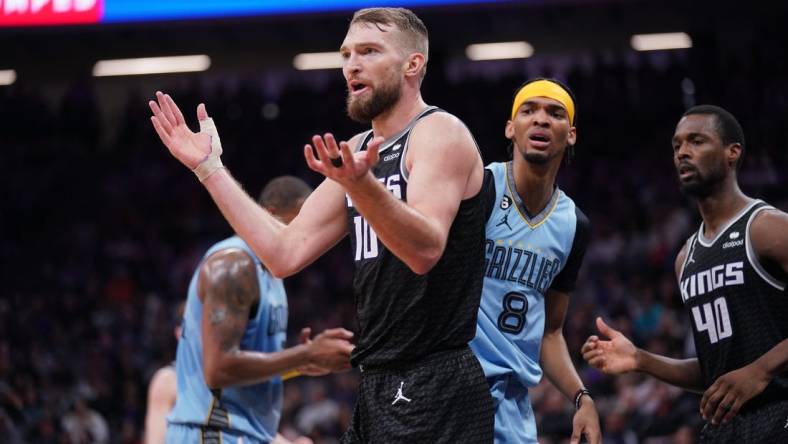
<point x="723" y="400"/>
<point x="198" y="151"/>
<point x="618" y="355"/>
<point x="338" y="162"/>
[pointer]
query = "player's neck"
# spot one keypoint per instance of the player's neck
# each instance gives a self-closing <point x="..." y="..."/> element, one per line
<point x="721" y="206"/>
<point x="535" y="183"/>
<point x="398" y="116"/>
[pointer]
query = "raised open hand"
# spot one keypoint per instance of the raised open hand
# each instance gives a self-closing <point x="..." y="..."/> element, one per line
<point x="337" y="162"/>
<point x="612" y="357"/>
<point x="190" y="148"/>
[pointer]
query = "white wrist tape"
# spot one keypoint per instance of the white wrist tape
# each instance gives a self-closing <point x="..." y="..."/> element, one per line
<point x="212" y="161"/>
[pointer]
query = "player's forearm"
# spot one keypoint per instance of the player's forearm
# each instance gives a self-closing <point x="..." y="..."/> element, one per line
<point x="775" y="361"/>
<point x="558" y="366"/>
<point x="241" y="367"/>
<point x="156" y="425"/>
<point x="252" y="223"/>
<point x="684" y="373"/>
<point x="408" y="234"/>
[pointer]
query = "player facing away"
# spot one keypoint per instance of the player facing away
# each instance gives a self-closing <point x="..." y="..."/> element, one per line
<point x="408" y="193"/>
<point x="732" y="275"/>
<point x="231" y="353"/>
<point x="536" y="239"/>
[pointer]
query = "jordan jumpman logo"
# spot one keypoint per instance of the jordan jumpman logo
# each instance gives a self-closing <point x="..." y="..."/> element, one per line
<point x="400" y="396"/>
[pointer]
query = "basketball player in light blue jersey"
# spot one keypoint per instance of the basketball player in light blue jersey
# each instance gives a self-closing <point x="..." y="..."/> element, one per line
<point x="536" y="239"/>
<point x="230" y="355"/>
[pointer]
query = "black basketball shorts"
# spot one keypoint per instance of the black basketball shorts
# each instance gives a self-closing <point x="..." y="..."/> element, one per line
<point x="443" y="398"/>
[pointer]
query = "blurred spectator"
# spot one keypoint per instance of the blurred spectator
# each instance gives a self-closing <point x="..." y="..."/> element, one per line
<point x="85" y="425"/>
<point x="101" y="231"/>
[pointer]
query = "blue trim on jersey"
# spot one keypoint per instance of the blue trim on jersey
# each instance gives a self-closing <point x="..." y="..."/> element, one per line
<point x="522" y="257"/>
<point x="521" y="261"/>
<point x="254" y="410"/>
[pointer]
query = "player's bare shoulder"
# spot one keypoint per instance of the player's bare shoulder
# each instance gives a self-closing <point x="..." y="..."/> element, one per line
<point x="769" y="235"/>
<point x="444" y="127"/>
<point x="230" y="274"/>
<point x="444" y="139"/>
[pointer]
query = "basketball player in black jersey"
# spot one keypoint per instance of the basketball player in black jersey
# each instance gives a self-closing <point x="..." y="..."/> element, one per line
<point x="732" y="275"/>
<point x="408" y="193"/>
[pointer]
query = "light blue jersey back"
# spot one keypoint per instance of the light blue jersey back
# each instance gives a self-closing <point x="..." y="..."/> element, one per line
<point x="523" y="256"/>
<point x="252" y="410"/>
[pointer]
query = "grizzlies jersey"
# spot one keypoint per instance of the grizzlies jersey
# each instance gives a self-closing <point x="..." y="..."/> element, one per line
<point x="252" y="410"/>
<point x="404" y="316"/>
<point x="524" y="258"/>
<point x="738" y="307"/>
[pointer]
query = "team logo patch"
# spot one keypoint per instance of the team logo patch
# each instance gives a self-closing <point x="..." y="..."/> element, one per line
<point x="506" y="202"/>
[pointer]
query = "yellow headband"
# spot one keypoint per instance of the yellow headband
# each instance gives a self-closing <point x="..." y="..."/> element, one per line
<point x="545" y="88"/>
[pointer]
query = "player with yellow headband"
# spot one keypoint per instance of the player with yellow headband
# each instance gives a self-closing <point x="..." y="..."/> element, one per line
<point x="535" y="241"/>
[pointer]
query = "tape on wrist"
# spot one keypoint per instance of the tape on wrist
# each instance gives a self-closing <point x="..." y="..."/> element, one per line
<point x="213" y="162"/>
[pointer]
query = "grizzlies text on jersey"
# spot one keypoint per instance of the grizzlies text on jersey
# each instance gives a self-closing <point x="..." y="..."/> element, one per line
<point x="524" y="258"/>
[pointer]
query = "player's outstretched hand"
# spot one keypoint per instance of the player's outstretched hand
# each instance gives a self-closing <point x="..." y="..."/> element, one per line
<point x="330" y="351"/>
<point x="337" y="162"/>
<point x="586" y="423"/>
<point x="723" y="400"/>
<point x="614" y="356"/>
<point x="187" y="146"/>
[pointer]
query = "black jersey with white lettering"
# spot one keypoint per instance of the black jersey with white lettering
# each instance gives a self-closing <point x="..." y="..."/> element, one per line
<point x="738" y="306"/>
<point x="404" y="316"/>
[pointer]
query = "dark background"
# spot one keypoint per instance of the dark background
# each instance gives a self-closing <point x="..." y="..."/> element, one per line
<point x="100" y="229"/>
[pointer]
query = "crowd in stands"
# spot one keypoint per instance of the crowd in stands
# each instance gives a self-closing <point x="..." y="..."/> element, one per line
<point x="101" y="231"/>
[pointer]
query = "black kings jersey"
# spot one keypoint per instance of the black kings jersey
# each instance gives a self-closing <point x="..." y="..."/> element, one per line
<point x="738" y="309"/>
<point x="404" y="316"/>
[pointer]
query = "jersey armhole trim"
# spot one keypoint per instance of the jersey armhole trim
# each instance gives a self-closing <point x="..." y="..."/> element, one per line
<point x="690" y="247"/>
<point x="752" y="257"/>
<point x="362" y="141"/>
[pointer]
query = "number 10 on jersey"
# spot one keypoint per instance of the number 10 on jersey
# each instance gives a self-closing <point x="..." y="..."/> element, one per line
<point x="366" y="239"/>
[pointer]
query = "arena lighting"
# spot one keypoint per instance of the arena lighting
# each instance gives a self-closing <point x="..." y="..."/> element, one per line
<point x="499" y="51"/>
<point x="656" y="42"/>
<point x="7" y="77"/>
<point x="317" y="60"/>
<point x="151" y="65"/>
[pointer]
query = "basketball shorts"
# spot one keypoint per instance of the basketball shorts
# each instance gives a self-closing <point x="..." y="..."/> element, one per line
<point x="514" y="417"/>
<point x="443" y="398"/>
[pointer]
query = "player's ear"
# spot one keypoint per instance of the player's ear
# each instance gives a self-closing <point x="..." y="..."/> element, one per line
<point x="509" y="130"/>
<point x="733" y="153"/>
<point x="572" y="137"/>
<point x="414" y="64"/>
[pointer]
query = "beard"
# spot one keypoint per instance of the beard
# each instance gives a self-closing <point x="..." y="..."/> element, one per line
<point x="536" y="158"/>
<point x="363" y="110"/>
<point x="703" y="185"/>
